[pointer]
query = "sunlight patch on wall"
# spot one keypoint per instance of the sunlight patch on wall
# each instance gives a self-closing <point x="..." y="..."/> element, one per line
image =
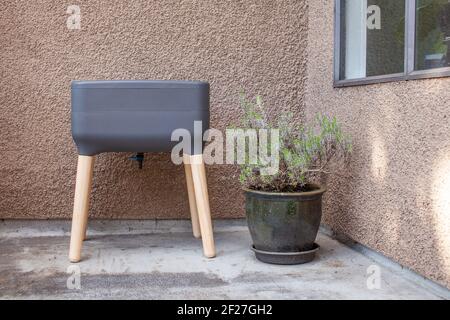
<point x="379" y="158"/>
<point x="441" y="204"/>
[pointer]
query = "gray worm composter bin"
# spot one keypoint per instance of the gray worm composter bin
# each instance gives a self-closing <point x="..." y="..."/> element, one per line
<point x="139" y="116"/>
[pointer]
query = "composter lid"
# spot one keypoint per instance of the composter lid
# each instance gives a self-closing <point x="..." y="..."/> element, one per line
<point x="138" y="84"/>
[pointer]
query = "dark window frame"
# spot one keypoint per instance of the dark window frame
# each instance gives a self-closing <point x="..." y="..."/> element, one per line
<point x="409" y="72"/>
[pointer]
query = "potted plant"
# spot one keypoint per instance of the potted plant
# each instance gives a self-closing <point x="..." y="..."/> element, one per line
<point x="284" y="209"/>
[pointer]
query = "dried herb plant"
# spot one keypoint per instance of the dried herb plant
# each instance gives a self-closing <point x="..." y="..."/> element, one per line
<point x="305" y="151"/>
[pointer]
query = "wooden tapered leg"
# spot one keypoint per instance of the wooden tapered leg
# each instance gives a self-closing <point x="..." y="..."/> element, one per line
<point x="191" y="194"/>
<point x="81" y="206"/>
<point x="202" y="200"/>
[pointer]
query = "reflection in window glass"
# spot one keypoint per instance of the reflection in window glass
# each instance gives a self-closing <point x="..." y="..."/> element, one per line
<point x="432" y="34"/>
<point x="372" y="38"/>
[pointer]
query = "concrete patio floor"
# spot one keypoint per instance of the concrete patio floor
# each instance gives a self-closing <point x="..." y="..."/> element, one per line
<point x="161" y="260"/>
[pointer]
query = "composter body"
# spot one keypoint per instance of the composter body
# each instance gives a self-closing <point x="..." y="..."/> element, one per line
<point x="137" y="116"/>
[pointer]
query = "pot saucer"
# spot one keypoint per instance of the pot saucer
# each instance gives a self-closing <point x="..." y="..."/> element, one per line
<point x="286" y="258"/>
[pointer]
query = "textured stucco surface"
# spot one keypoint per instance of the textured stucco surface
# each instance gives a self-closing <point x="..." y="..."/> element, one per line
<point x="394" y="198"/>
<point x="395" y="195"/>
<point x="256" y="45"/>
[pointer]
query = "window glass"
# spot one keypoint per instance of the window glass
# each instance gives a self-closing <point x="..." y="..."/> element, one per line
<point x="372" y="38"/>
<point x="432" y="34"/>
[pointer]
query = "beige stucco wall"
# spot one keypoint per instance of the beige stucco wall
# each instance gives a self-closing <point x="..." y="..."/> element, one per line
<point x="248" y="44"/>
<point x="393" y="198"/>
<point x="395" y="195"/>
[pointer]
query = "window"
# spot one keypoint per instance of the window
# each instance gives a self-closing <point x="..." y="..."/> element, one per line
<point x="432" y="34"/>
<point x="391" y="40"/>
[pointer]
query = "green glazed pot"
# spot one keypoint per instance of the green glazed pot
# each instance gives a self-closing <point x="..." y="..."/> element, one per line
<point x="284" y="226"/>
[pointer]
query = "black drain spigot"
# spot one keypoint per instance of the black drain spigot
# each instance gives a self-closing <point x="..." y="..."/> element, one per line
<point x="139" y="157"/>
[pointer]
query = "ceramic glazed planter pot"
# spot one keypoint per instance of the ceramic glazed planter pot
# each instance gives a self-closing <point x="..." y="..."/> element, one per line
<point x="284" y="226"/>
